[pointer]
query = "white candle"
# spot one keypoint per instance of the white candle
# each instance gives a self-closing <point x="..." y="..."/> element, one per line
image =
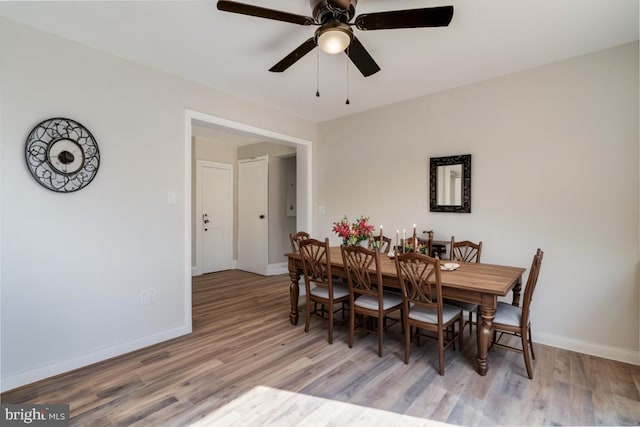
<point x="397" y="239"/>
<point x="404" y="239"/>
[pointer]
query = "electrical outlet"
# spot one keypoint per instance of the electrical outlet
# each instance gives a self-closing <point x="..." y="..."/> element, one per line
<point x="147" y="296"/>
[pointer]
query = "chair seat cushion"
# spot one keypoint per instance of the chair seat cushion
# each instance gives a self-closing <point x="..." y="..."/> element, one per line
<point x="339" y="291"/>
<point x="371" y="303"/>
<point x="508" y="314"/>
<point x="430" y="315"/>
<point x="302" y="289"/>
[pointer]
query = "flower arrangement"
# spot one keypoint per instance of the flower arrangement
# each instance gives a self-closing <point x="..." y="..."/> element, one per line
<point x="422" y="248"/>
<point x="353" y="233"/>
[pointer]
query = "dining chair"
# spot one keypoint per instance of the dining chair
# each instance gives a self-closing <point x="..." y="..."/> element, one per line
<point x="423" y="308"/>
<point x="383" y="243"/>
<point x="428" y="242"/>
<point x="366" y="292"/>
<point x="296" y="238"/>
<point x="319" y="286"/>
<point x="514" y="320"/>
<point x="465" y="251"/>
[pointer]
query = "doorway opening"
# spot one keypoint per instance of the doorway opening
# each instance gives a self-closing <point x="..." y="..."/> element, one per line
<point x="302" y="167"/>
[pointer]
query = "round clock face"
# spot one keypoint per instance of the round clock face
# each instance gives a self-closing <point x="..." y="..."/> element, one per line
<point x="62" y="155"/>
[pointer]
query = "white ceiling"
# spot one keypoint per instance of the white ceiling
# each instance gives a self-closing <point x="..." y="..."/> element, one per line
<point x="233" y="53"/>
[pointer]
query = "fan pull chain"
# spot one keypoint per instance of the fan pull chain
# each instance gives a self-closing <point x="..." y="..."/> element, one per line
<point x="347" y="101"/>
<point x="318" y="73"/>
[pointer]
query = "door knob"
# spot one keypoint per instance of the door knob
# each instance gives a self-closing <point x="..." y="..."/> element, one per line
<point x="262" y="216"/>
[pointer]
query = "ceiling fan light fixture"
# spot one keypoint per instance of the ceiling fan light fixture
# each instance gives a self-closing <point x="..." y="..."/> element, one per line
<point x="334" y="39"/>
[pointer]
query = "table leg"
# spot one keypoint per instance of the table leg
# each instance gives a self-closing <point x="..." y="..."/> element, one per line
<point x="293" y="291"/>
<point x="485" y="319"/>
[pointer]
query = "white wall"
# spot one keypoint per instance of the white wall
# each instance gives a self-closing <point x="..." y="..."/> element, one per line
<point x="73" y="265"/>
<point x="554" y="165"/>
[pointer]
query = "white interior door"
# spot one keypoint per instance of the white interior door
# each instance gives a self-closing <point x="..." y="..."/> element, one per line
<point x="253" y="224"/>
<point x="214" y="216"/>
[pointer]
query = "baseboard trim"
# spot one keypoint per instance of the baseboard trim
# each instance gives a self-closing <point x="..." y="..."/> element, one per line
<point x="600" y="350"/>
<point x="28" y="377"/>
<point x="279" y="268"/>
<point x="195" y="271"/>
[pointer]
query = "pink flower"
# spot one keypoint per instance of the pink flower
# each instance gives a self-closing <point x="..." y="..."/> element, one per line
<point x="353" y="233"/>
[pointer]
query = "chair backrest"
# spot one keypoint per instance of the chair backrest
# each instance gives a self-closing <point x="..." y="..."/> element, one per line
<point x="297" y="238"/>
<point x="316" y="263"/>
<point x="428" y="243"/>
<point x="531" y="285"/>
<point x="465" y="251"/>
<point x="358" y="263"/>
<point x="384" y="243"/>
<point x="419" y="277"/>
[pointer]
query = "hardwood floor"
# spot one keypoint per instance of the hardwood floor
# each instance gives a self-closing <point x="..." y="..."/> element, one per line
<point x="242" y="338"/>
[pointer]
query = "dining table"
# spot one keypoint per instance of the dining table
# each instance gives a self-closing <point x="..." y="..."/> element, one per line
<point x="476" y="283"/>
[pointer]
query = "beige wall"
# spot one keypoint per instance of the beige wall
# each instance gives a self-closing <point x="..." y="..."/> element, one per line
<point x="554" y="165"/>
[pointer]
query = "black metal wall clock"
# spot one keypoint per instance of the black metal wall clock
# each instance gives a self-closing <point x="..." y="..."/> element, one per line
<point x="62" y="155"/>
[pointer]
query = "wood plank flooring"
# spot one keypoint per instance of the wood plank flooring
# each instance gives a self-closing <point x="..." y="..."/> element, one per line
<point x="242" y="338"/>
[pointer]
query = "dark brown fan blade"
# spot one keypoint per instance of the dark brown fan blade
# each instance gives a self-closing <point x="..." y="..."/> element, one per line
<point x="361" y="58"/>
<point x="410" y="18"/>
<point x="262" y="12"/>
<point x="294" y="56"/>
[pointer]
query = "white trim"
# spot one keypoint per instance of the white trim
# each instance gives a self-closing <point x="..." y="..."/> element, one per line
<point x="304" y="218"/>
<point x="255" y="159"/>
<point x="33" y="375"/>
<point x="246" y="129"/>
<point x="187" y="292"/>
<point x="594" y="349"/>
<point x="195" y="271"/>
<point x="229" y="167"/>
<point x="278" y="268"/>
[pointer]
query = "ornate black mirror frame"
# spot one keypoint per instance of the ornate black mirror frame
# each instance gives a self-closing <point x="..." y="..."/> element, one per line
<point x="435" y="162"/>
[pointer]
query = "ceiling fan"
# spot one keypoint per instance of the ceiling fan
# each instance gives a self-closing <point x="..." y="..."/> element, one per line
<point x="335" y="33"/>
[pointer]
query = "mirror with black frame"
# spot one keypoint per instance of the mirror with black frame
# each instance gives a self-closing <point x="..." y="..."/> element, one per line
<point x="450" y="184"/>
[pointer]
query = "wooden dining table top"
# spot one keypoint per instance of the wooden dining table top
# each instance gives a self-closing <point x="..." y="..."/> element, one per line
<point x="492" y="279"/>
